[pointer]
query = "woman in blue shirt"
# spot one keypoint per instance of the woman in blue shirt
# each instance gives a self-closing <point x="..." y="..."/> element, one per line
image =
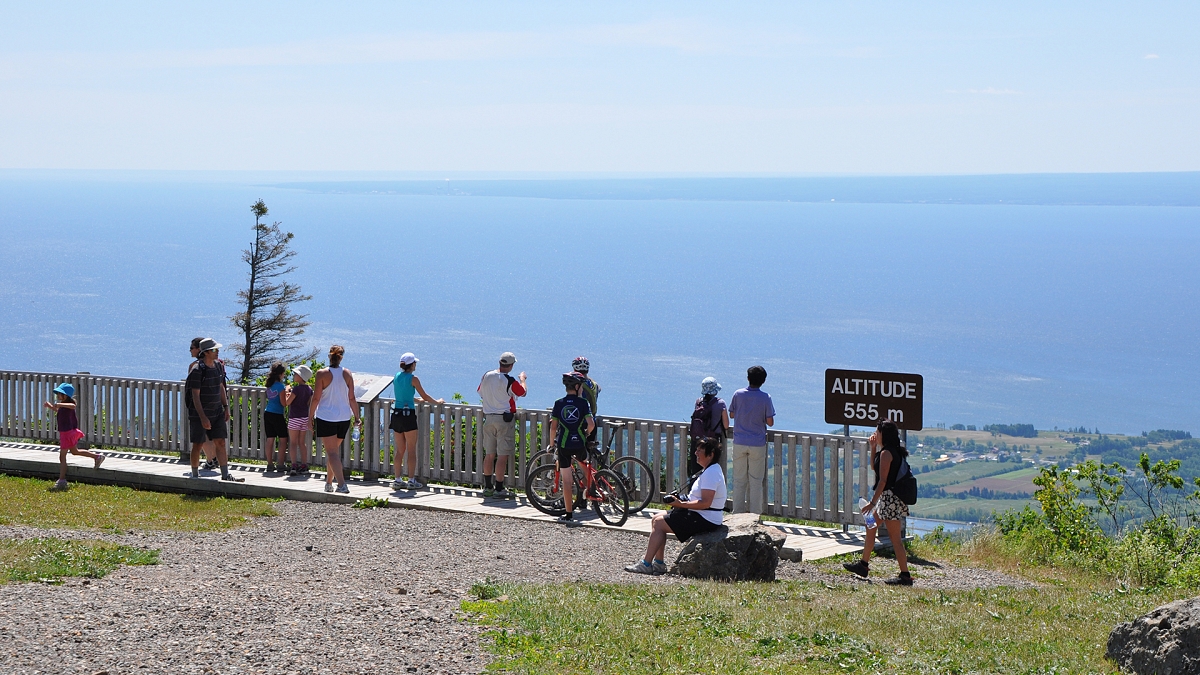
<point x="406" y="387"/>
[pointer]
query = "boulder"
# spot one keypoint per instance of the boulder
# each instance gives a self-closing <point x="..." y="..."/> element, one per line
<point x="740" y="550"/>
<point x="1164" y="642"/>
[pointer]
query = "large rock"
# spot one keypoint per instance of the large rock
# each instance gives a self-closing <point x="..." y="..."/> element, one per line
<point x="740" y="550"/>
<point x="1164" y="642"/>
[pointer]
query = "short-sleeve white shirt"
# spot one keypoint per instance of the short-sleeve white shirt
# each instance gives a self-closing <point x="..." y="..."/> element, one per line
<point x="712" y="479"/>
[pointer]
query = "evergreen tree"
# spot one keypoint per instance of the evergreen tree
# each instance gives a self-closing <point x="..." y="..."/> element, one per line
<point x="269" y="329"/>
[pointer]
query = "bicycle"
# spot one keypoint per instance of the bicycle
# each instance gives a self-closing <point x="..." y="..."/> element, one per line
<point x="601" y="487"/>
<point x="636" y="476"/>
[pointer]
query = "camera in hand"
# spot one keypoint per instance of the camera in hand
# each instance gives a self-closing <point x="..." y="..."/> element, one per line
<point x="669" y="498"/>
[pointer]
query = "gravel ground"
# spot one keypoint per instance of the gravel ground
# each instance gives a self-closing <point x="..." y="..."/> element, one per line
<point x="377" y="593"/>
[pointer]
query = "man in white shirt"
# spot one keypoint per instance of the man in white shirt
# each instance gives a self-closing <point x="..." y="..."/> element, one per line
<point x="499" y="392"/>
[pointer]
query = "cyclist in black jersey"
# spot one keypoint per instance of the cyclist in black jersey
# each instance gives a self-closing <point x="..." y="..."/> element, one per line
<point x="570" y="423"/>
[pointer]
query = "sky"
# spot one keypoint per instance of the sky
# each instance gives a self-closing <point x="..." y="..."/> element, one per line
<point x="644" y="88"/>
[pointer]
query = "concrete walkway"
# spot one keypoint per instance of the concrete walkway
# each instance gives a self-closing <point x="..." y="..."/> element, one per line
<point x="166" y="474"/>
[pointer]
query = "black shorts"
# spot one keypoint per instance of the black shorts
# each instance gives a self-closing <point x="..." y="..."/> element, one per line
<point x="565" y="455"/>
<point x="323" y="429"/>
<point x="201" y="435"/>
<point x="687" y="523"/>
<point x="403" y="419"/>
<point x="275" y="425"/>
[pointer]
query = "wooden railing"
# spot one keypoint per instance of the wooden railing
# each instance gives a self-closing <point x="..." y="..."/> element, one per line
<point x="811" y="476"/>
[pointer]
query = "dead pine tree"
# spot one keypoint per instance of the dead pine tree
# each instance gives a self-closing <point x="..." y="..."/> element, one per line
<point x="268" y="327"/>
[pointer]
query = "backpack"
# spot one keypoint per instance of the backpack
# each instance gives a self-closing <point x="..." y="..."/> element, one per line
<point x="905" y="486"/>
<point x="703" y="425"/>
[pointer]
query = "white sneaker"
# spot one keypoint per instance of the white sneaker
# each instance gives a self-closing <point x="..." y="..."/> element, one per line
<point x="659" y="568"/>
<point x="344" y="489"/>
<point x="414" y="484"/>
<point x="60" y="485"/>
<point x="329" y="487"/>
<point x="640" y="567"/>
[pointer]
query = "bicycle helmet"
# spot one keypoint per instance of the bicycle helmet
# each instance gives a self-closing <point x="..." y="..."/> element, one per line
<point x="710" y="386"/>
<point x="580" y="364"/>
<point x="573" y="379"/>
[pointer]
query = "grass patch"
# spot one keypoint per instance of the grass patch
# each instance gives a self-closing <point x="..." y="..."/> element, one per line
<point x="713" y="627"/>
<point x="50" y="560"/>
<point x="371" y="503"/>
<point x="30" y="501"/>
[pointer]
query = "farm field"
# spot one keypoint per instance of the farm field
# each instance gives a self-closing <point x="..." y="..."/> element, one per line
<point x="970" y="509"/>
<point x="1017" y="481"/>
<point x="962" y="472"/>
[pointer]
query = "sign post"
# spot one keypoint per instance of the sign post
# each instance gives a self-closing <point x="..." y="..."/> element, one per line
<point x="864" y="398"/>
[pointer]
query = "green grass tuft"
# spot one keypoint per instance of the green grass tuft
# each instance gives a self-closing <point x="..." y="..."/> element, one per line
<point x="31" y="501"/>
<point x="371" y="503"/>
<point x="50" y="560"/>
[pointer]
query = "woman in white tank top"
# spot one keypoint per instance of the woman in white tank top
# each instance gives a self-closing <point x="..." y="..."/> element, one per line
<point x="333" y="407"/>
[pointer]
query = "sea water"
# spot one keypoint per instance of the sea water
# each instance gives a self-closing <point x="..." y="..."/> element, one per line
<point x="1072" y="303"/>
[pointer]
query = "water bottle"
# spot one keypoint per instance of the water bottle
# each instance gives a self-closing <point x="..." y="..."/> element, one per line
<point x="356" y="432"/>
<point x="869" y="516"/>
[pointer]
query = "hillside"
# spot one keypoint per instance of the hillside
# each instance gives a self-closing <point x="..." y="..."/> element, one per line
<point x="967" y="473"/>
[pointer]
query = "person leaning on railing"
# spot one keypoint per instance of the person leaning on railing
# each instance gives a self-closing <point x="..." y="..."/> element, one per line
<point x="499" y="391"/>
<point x="296" y="397"/>
<point x="710" y="419"/>
<point x="752" y="412"/>
<point x="699" y="512"/>
<point x="405" y="388"/>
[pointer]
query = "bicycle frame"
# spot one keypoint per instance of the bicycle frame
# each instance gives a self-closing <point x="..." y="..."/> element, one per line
<point x="589" y="479"/>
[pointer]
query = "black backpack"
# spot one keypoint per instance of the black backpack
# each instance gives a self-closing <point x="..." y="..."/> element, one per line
<point x="905" y="486"/>
<point x="703" y="425"/>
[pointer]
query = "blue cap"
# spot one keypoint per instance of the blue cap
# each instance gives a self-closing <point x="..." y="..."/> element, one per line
<point x="66" y="389"/>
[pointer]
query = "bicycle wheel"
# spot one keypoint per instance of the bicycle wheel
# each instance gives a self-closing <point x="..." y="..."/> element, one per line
<point x="544" y="493"/>
<point x="540" y="459"/>
<point x="613" y="504"/>
<point x="637" y="479"/>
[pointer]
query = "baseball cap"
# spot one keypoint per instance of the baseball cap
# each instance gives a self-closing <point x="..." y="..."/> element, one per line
<point x="507" y="359"/>
<point x="408" y="358"/>
<point x="208" y="344"/>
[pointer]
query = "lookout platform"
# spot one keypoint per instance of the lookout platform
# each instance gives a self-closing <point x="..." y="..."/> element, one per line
<point x="164" y="473"/>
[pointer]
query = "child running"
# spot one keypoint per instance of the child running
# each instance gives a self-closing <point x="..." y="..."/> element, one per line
<point x="274" y="422"/>
<point x="69" y="434"/>
<point x="296" y="397"/>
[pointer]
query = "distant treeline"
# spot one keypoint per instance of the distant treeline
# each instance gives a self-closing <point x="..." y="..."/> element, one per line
<point x="935" y="492"/>
<point x="1128" y="450"/>
<point x="1018" y="430"/>
<point x="964" y="514"/>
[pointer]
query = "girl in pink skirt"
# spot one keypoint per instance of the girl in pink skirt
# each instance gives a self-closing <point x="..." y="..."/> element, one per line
<point x="69" y="434"/>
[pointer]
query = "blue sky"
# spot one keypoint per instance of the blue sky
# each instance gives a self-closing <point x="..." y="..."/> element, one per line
<point x="724" y="88"/>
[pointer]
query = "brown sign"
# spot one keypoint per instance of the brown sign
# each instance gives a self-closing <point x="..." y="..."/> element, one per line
<point x="864" y="398"/>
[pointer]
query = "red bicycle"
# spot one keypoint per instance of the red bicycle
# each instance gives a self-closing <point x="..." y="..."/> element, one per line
<point x="601" y="487"/>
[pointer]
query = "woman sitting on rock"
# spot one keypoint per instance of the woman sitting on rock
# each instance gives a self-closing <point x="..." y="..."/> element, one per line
<point x="700" y="512"/>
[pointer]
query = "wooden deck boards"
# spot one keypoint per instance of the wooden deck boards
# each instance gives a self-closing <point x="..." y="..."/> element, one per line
<point x="157" y="472"/>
